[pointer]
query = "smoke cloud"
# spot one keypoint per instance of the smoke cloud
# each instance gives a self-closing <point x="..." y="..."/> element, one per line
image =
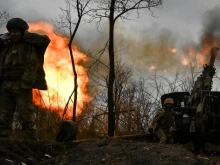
<point x="148" y="50"/>
<point x="211" y="28"/>
<point x="162" y="49"/>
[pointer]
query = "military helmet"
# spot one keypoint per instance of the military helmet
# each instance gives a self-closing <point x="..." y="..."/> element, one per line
<point x="168" y="101"/>
<point x="17" y="23"/>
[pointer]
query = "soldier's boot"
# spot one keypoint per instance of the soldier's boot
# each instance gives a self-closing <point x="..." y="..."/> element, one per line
<point x="161" y="135"/>
<point x="163" y="140"/>
<point x="29" y="132"/>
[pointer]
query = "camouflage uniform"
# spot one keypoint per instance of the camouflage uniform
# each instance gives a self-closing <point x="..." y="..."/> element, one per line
<point x="21" y="59"/>
<point x="162" y="124"/>
<point x="40" y="42"/>
<point x="18" y="64"/>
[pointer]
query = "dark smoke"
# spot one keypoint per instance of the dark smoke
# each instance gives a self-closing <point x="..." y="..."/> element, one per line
<point x="152" y="47"/>
<point x="212" y="22"/>
<point x="211" y="28"/>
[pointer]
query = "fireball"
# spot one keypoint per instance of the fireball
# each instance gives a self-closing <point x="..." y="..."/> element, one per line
<point x="59" y="73"/>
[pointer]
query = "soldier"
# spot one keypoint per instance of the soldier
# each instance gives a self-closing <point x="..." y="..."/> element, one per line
<point x="18" y="66"/>
<point x="163" y="124"/>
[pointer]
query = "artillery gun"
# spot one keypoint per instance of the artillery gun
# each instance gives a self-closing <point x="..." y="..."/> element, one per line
<point x="200" y="109"/>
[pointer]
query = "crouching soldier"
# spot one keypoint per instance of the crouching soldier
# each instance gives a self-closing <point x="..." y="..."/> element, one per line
<point x="163" y="123"/>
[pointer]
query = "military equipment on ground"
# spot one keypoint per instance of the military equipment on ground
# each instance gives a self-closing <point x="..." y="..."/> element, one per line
<point x="200" y="120"/>
<point x="68" y="131"/>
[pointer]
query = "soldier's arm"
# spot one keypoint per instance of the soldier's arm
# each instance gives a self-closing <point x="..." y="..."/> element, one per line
<point x="36" y="39"/>
<point x="156" y="119"/>
<point x="30" y="67"/>
<point x="159" y="115"/>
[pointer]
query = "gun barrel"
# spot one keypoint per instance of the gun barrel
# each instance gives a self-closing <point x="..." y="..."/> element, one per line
<point x="214" y="53"/>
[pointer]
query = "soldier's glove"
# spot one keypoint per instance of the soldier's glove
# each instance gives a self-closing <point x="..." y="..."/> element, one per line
<point x="172" y="129"/>
<point x="151" y="130"/>
<point x="5" y="37"/>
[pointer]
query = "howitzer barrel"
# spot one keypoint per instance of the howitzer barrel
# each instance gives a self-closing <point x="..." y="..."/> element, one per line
<point x="203" y="82"/>
<point x="214" y="53"/>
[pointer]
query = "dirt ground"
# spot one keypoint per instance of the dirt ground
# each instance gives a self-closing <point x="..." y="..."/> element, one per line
<point x="102" y="151"/>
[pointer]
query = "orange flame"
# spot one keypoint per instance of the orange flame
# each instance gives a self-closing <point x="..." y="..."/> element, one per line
<point x="173" y="50"/>
<point x="59" y="72"/>
<point x="191" y="55"/>
<point x="185" y="61"/>
<point x="152" y="67"/>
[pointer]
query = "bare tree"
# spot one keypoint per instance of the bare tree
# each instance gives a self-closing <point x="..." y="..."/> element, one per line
<point x="133" y="104"/>
<point x="176" y="82"/>
<point x="65" y="20"/>
<point x="112" y="10"/>
<point x="4" y="16"/>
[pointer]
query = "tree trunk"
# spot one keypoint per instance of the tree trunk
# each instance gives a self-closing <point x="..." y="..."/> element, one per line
<point x="74" y="69"/>
<point x="111" y="113"/>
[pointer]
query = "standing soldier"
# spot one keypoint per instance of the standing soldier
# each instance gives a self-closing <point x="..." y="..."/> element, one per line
<point x="163" y="124"/>
<point x="18" y="67"/>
